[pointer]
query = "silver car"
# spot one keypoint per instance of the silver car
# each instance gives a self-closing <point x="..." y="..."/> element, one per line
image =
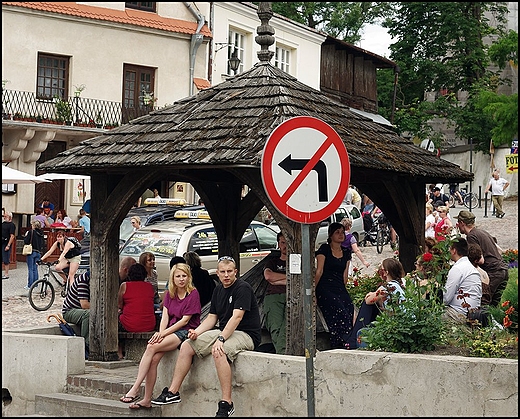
<point x="170" y="238"/>
<point x="350" y="211"/>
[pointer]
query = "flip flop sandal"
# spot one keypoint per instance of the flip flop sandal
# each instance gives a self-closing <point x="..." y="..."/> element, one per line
<point x="129" y="399"/>
<point x="138" y="406"/>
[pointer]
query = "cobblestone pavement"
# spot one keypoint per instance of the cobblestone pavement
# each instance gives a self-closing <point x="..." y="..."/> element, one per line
<point x="17" y="312"/>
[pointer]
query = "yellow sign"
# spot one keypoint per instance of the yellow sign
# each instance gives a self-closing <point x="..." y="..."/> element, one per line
<point x="511" y="163"/>
<point x="164" y="201"/>
<point x="192" y="214"/>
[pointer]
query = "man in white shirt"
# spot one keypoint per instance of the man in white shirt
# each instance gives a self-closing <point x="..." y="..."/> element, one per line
<point x="463" y="285"/>
<point x="497" y="185"/>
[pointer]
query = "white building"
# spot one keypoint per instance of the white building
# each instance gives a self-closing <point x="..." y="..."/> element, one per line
<point x="113" y="61"/>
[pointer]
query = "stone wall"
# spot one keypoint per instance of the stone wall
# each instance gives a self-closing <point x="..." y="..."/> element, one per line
<point x="480" y="164"/>
<point x="346" y="383"/>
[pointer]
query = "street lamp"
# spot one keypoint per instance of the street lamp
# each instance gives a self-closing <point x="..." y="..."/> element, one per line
<point x="234" y="61"/>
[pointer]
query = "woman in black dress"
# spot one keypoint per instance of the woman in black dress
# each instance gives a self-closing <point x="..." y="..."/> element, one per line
<point x="332" y="264"/>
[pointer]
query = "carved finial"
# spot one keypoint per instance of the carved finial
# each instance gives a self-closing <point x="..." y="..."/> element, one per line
<point x="265" y="31"/>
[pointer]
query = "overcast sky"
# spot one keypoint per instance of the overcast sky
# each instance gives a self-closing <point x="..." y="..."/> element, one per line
<point x="376" y="39"/>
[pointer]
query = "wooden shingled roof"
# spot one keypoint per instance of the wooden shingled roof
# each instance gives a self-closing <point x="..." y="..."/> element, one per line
<point x="229" y="124"/>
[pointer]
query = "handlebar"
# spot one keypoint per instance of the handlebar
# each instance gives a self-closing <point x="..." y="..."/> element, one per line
<point x="42" y="262"/>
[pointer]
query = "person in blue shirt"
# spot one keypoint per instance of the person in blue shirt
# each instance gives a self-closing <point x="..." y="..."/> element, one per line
<point x="84" y="222"/>
<point x="48" y="208"/>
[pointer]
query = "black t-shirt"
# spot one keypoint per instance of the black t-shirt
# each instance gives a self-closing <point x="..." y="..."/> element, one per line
<point x="8" y="228"/>
<point x="442" y="199"/>
<point x="279" y="266"/>
<point x="241" y="296"/>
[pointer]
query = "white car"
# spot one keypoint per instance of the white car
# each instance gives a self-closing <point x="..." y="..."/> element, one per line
<point x="350" y="211"/>
<point x="166" y="239"/>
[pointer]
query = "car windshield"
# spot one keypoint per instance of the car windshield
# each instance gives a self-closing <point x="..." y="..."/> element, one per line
<point x="126" y="229"/>
<point x="160" y="244"/>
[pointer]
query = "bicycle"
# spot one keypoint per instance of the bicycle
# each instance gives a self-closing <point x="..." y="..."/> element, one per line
<point x="383" y="233"/>
<point x="42" y="292"/>
<point x="470" y="200"/>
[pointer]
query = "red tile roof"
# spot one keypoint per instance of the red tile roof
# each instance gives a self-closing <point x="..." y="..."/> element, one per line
<point x="127" y="16"/>
<point x="201" y="83"/>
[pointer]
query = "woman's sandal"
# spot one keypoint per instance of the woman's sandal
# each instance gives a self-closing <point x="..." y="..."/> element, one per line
<point x="129" y="399"/>
<point x="138" y="406"/>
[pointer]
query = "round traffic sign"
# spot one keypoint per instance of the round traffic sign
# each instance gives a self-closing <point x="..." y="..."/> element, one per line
<point x="305" y="169"/>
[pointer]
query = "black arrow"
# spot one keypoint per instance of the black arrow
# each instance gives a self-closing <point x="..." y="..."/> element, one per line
<point x="288" y="164"/>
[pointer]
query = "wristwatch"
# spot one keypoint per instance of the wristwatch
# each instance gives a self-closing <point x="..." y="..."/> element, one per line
<point x="221" y="338"/>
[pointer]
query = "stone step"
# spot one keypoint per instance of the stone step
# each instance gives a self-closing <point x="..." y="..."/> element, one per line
<point x="107" y="380"/>
<point x="75" y="405"/>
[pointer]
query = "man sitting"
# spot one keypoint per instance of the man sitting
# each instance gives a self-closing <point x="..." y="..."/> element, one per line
<point x="463" y="285"/>
<point x="76" y="306"/>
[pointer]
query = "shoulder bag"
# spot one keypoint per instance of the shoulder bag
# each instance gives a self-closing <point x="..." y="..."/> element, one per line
<point x="27" y="248"/>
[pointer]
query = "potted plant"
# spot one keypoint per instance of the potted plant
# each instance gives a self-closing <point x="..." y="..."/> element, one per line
<point x="79" y="89"/>
<point x="63" y="110"/>
<point x="148" y="98"/>
<point x="99" y="120"/>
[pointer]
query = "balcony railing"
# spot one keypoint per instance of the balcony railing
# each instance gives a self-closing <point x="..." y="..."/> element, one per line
<point x="76" y="110"/>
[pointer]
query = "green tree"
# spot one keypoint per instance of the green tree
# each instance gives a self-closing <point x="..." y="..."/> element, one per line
<point x="440" y="47"/>
<point x="343" y="20"/>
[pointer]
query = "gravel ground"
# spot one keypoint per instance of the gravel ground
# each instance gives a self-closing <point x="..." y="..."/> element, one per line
<point x="17" y="312"/>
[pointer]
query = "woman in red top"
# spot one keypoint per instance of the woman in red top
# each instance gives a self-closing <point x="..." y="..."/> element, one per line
<point x="135" y="302"/>
<point x="444" y="226"/>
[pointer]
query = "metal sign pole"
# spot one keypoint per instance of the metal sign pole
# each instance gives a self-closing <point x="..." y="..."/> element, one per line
<point x="310" y="347"/>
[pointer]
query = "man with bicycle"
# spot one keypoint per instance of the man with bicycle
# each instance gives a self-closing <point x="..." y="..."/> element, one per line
<point x="454" y="190"/>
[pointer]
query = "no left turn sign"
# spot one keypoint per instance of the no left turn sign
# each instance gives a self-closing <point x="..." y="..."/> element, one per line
<point x="305" y="169"/>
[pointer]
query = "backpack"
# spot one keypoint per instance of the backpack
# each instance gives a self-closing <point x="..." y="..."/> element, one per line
<point x="75" y="251"/>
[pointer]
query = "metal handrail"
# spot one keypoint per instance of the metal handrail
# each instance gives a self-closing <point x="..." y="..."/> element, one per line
<point x="26" y="106"/>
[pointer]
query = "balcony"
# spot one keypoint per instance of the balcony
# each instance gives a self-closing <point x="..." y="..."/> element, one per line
<point x="74" y="111"/>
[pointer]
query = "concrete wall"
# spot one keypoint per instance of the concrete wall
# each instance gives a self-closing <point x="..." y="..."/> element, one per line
<point x="346" y="383"/>
<point x="37" y="361"/>
<point x="481" y="166"/>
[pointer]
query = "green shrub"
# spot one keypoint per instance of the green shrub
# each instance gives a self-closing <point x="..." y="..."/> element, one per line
<point x="508" y="304"/>
<point x="413" y="325"/>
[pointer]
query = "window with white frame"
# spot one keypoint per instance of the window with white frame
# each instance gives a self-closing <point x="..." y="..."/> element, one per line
<point x="236" y="45"/>
<point x="282" y="58"/>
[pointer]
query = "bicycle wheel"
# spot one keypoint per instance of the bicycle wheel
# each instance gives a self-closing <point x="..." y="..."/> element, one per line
<point x="380" y="241"/>
<point x="471" y="199"/>
<point x="41" y="295"/>
<point x="452" y="201"/>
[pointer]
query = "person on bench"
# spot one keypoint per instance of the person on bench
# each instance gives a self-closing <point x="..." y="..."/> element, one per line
<point x="181" y="312"/>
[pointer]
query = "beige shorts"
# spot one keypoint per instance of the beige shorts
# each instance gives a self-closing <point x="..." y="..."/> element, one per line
<point x="239" y="341"/>
<point x="76" y="259"/>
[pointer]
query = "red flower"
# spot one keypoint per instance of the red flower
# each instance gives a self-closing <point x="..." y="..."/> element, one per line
<point x="507" y="322"/>
<point x="427" y="257"/>
<point x="356" y="283"/>
<point x="355" y="269"/>
<point x="510" y="310"/>
<point x="505" y="303"/>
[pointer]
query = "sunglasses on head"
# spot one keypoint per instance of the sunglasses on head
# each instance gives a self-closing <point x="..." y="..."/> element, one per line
<point x="228" y="258"/>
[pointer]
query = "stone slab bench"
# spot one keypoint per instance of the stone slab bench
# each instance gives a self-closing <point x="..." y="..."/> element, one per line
<point x="134" y="343"/>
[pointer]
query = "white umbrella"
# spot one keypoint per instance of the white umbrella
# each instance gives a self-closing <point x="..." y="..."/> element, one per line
<point x="10" y="176"/>
<point x="59" y="176"/>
